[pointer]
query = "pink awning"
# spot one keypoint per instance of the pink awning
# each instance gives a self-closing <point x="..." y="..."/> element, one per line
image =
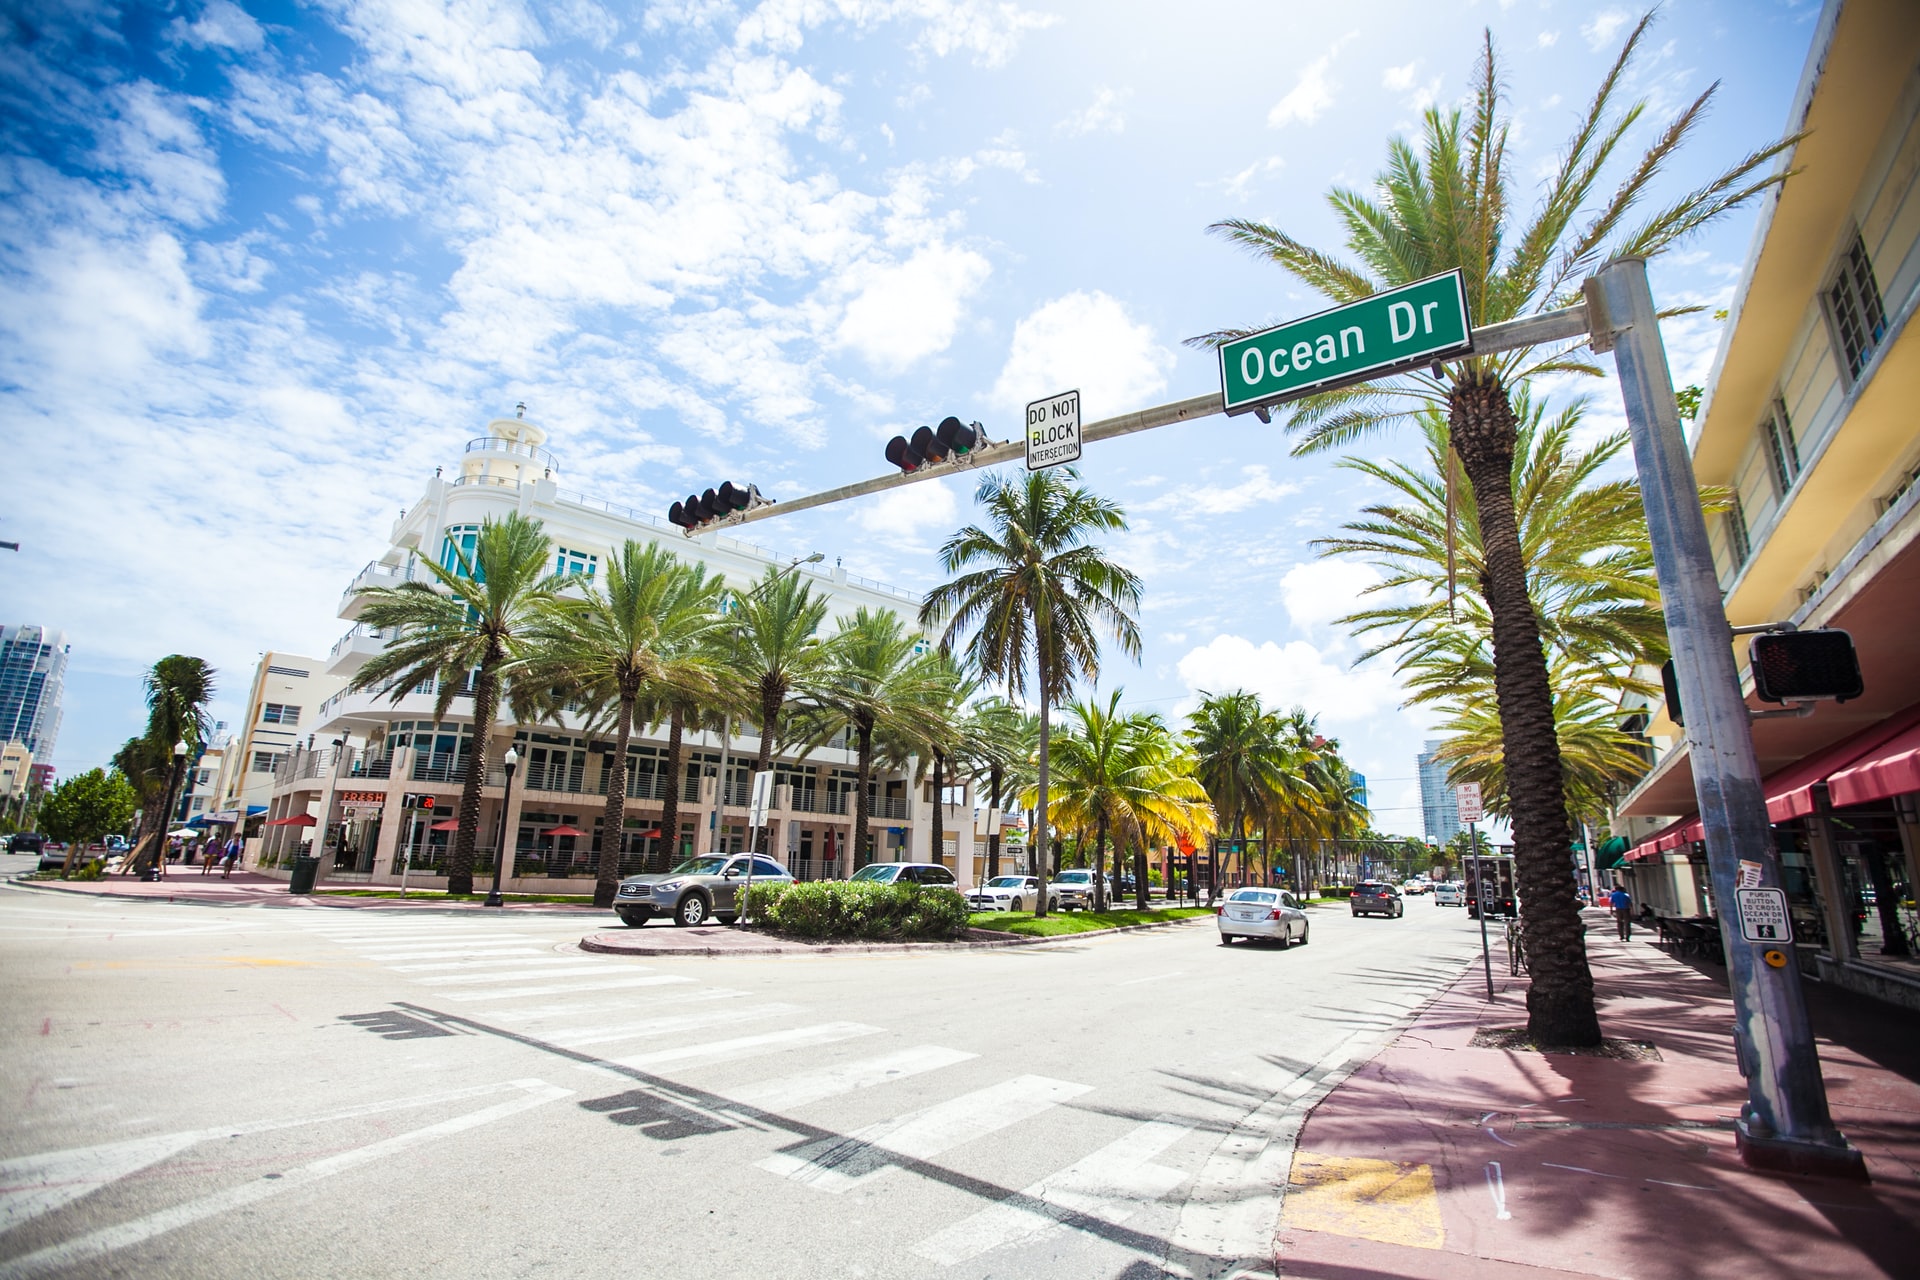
<point x="1891" y="770"/>
<point x="1790" y="792"/>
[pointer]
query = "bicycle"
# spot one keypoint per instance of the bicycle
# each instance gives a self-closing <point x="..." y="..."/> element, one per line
<point x="1516" y="949"/>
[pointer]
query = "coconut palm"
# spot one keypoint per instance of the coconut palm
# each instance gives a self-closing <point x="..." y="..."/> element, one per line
<point x="1242" y="760"/>
<point x="471" y="623"/>
<point x="777" y="648"/>
<point x="1446" y="205"/>
<point x="639" y="636"/>
<point x="998" y="740"/>
<point x="178" y="689"/>
<point x="1032" y="594"/>
<point x="880" y="688"/>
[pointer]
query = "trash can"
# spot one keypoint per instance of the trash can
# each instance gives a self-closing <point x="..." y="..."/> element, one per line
<point x="305" y="872"/>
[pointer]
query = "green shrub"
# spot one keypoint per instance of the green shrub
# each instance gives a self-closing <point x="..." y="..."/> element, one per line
<point x="843" y="909"/>
<point x="1336" y="890"/>
<point x="92" y="871"/>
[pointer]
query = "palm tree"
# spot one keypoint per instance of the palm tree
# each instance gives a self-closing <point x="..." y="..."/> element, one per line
<point x="1242" y="761"/>
<point x="777" y="648"/>
<point x="642" y="637"/>
<point x="471" y="622"/>
<point x="177" y="688"/>
<point x="879" y="688"/>
<point x="1039" y="597"/>
<point x="1446" y="206"/>
<point x="998" y="740"/>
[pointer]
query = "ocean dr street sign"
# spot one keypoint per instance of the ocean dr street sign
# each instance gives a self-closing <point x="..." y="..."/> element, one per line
<point x="1053" y="431"/>
<point x="1377" y="336"/>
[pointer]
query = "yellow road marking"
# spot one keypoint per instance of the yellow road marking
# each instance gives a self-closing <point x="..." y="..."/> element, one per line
<point x="1381" y="1200"/>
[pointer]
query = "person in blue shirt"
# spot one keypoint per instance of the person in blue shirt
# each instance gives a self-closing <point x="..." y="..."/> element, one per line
<point x="1622" y="903"/>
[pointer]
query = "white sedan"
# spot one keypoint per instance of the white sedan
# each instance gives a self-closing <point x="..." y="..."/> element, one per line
<point x="1261" y="913"/>
<point x="1009" y="893"/>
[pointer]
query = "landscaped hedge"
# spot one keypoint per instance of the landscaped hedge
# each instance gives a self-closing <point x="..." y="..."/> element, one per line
<point x="844" y="909"/>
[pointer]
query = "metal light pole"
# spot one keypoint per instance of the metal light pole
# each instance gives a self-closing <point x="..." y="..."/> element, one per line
<point x="1786" y="1125"/>
<point x="174" y="780"/>
<point x="510" y="761"/>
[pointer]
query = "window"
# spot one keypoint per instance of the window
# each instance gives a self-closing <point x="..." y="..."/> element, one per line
<point x="203" y="777"/>
<point x="762" y="867"/>
<point x="1855" y="303"/>
<point x="575" y="564"/>
<point x="1781" y="451"/>
<point x="265" y="761"/>
<point x="458" y="541"/>
<point x="279" y="713"/>
<point x="288" y="671"/>
<point x="1737" y="534"/>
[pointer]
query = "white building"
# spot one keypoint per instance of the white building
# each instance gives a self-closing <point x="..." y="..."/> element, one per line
<point x="367" y="752"/>
<point x="282" y="707"/>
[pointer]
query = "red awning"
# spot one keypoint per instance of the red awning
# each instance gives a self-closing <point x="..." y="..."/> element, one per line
<point x="1891" y="770"/>
<point x="1790" y="792"/>
<point x="297" y="820"/>
<point x="1671" y="836"/>
<point x="450" y="824"/>
<point x="654" y="834"/>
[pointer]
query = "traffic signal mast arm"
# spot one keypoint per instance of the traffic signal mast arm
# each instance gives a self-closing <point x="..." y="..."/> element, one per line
<point x="1551" y="326"/>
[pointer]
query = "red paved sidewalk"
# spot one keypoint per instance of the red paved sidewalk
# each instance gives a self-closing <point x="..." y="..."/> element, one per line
<point x="1438" y="1159"/>
<point x="245" y="888"/>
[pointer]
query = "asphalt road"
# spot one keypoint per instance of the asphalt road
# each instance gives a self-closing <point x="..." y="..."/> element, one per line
<point x="304" y="1090"/>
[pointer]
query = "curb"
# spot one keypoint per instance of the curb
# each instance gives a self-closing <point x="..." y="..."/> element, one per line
<point x="593" y="943"/>
<point x="301" y="900"/>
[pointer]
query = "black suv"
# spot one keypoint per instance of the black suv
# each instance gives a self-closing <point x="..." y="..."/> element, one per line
<point x="1376" y="898"/>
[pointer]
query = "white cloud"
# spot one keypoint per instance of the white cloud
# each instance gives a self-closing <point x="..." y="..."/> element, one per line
<point x="1316" y="592"/>
<point x="1201" y="500"/>
<point x="907" y="312"/>
<point x="1548" y="39"/>
<point x="221" y="25"/>
<point x="1237" y="186"/>
<point x="1085" y="341"/>
<point x="1295" y="672"/>
<point x="909" y="511"/>
<point x="1399" y="79"/>
<point x="1312" y="94"/>
<point x="1100" y="115"/>
<point x="1604" y="26"/>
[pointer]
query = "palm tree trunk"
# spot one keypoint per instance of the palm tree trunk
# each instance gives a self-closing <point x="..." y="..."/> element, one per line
<point x="486" y="697"/>
<point x="1140" y="875"/>
<point x="613" y="818"/>
<point x="1560" y="997"/>
<point x="1100" y="863"/>
<point x="863" y="731"/>
<point x="993" y="835"/>
<point x="939" y="810"/>
<point x="670" y="802"/>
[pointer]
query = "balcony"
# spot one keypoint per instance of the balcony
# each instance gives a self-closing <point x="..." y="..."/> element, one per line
<point x="377" y="574"/>
<point x="541" y="458"/>
<point x="353" y="650"/>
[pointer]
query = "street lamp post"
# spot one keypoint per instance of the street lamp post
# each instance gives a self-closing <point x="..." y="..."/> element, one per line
<point x="166" y="811"/>
<point x="511" y="761"/>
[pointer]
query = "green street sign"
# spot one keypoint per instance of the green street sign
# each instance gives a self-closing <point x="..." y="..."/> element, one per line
<point x="1375" y="337"/>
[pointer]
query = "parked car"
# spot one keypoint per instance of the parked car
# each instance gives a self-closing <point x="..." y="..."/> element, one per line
<point x="1009" y="893"/>
<point x="1073" y="890"/>
<point x="929" y="873"/>
<point x="1450" y="893"/>
<point x="1272" y="914"/>
<point x="697" y="890"/>
<point x="1376" y="898"/>
<point x="26" y="842"/>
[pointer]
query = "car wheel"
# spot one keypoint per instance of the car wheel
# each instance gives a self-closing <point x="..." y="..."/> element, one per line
<point x="1017" y="905"/>
<point x="1356" y="913"/>
<point x="1054" y="906"/>
<point x="632" y="920"/>
<point x="1399" y="910"/>
<point x="1226" y="939"/>
<point x="691" y="911"/>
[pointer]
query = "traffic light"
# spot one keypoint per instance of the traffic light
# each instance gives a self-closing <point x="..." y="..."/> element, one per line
<point x="1794" y="666"/>
<point x="716" y="504"/>
<point x="951" y="441"/>
<point x="417" y="800"/>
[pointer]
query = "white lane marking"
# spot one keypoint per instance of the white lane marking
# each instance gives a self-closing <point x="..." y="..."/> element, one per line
<point x="628" y="1004"/>
<point x="1111" y="1184"/>
<point x="747" y="1046"/>
<point x="512" y="975"/>
<point x="840" y="1164"/>
<point x="785" y="1092"/>
<point x="475" y="951"/>
<point x="99" y="1244"/>
<point x="1158" y="977"/>
<point x="604" y="984"/>
<point x="1497" y="1188"/>
<point x="445" y="966"/>
<point x="37" y="1184"/>
<point x="579" y="1037"/>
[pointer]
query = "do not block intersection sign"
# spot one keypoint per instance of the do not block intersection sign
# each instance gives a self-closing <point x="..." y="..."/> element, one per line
<point x="1053" y="431"/>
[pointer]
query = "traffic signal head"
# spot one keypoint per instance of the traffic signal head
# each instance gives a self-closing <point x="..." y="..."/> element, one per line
<point x="1803" y="665"/>
<point x="957" y="436"/>
<point x="726" y="499"/>
<point x="901" y="453"/>
<point x="951" y="441"/>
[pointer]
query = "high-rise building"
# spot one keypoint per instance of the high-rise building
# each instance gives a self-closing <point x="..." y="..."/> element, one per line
<point x="33" y="670"/>
<point x="1437" y="807"/>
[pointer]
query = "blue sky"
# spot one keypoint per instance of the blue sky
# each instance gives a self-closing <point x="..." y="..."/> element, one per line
<point x="264" y="266"/>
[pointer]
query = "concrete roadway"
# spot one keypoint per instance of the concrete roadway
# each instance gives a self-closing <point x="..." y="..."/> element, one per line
<point x="302" y="1090"/>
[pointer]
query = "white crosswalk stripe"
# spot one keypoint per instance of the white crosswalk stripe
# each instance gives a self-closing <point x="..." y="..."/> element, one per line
<point x="581" y="1037"/>
<point x="784" y="1093"/>
<point x="552" y="970"/>
<point x="1111" y="1184"/>
<point x="746" y="1046"/>
<point x="839" y="1165"/>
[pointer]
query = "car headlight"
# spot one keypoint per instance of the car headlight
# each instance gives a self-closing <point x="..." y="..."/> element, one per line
<point x="667" y="886"/>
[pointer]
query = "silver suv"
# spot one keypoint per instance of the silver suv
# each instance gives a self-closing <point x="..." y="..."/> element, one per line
<point x="697" y="890"/>
<point x="1073" y="890"/>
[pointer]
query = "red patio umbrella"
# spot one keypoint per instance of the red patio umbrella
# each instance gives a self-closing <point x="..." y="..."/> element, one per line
<point x="297" y="820"/>
<point x="563" y="830"/>
<point x="449" y="824"/>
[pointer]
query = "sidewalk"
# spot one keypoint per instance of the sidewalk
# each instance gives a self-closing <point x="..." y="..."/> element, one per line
<point x="1439" y="1159"/>
<point x="246" y="889"/>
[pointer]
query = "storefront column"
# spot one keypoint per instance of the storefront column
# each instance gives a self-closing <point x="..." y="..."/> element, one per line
<point x="1831" y="886"/>
<point x="394" y="818"/>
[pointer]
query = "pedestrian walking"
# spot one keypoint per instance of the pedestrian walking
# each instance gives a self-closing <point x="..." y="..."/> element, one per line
<point x="233" y="855"/>
<point x="1622" y="904"/>
<point x="210" y="855"/>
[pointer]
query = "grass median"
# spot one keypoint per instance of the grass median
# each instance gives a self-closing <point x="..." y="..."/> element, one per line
<point x="1060" y="923"/>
